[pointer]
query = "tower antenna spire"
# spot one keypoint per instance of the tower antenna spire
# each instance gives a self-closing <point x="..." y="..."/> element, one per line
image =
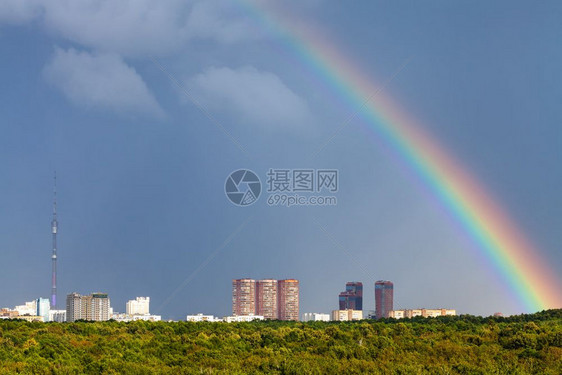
<point x="54" y="227"/>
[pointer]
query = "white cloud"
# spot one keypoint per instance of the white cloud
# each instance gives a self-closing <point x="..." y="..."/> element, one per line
<point x="101" y="81"/>
<point x="19" y="11"/>
<point x="220" y="21"/>
<point x="260" y="98"/>
<point x="113" y="29"/>
<point x="126" y="27"/>
<point x="134" y="27"/>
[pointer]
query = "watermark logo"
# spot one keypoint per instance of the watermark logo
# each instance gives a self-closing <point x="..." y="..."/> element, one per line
<point x="286" y="187"/>
<point x="302" y="180"/>
<point x="242" y="187"/>
<point x="297" y="187"/>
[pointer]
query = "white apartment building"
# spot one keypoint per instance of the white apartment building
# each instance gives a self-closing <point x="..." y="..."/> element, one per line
<point x="123" y="317"/>
<point x="315" y="317"/>
<point x="202" y="318"/>
<point x="57" y="316"/>
<point x="147" y="317"/>
<point x="242" y="318"/>
<point x="30" y="308"/>
<point x="138" y="306"/>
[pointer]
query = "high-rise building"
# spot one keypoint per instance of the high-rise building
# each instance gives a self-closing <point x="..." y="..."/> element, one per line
<point x="73" y="307"/>
<point x="272" y="299"/>
<point x="96" y="306"/>
<point x="243" y="297"/>
<point x="99" y="307"/>
<point x="266" y="298"/>
<point x="43" y="308"/>
<point x="288" y="299"/>
<point x="352" y="298"/>
<point x="384" y="298"/>
<point x="138" y="306"/>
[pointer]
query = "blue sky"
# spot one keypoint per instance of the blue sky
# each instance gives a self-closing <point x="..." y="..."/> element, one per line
<point x="141" y="168"/>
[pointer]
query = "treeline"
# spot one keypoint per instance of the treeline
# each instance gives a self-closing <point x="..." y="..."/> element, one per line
<point x="524" y="344"/>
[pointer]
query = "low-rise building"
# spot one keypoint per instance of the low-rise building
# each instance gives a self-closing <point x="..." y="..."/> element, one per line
<point x="242" y="318"/>
<point x="202" y="318"/>
<point x="57" y="316"/>
<point x="29" y="308"/>
<point x="6" y="313"/>
<point x="347" y="315"/>
<point x="30" y="318"/>
<point x="426" y="313"/>
<point x="315" y="317"/>
<point x="124" y="317"/>
<point x="148" y="317"/>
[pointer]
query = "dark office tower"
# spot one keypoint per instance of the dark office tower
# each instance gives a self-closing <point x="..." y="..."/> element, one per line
<point x="384" y="298"/>
<point x="352" y="298"/>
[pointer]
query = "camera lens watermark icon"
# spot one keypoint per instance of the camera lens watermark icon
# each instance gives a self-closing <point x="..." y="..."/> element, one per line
<point x="242" y="187"/>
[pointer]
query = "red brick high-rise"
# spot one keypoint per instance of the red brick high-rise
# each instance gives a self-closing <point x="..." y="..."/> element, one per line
<point x="266" y="298"/>
<point x="272" y="299"/>
<point x="244" y="297"/>
<point x="384" y="298"/>
<point x="288" y="292"/>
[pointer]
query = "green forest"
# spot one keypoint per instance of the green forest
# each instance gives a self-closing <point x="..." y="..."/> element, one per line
<point x="523" y="344"/>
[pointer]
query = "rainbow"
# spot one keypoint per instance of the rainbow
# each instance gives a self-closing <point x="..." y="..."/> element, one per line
<point x="518" y="263"/>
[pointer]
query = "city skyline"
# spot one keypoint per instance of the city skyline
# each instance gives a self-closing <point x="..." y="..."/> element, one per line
<point x="267" y="299"/>
<point x="253" y="297"/>
<point x="145" y="115"/>
<point x="263" y="298"/>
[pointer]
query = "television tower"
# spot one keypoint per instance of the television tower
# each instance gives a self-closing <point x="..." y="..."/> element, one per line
<point x="54" y="225"/>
